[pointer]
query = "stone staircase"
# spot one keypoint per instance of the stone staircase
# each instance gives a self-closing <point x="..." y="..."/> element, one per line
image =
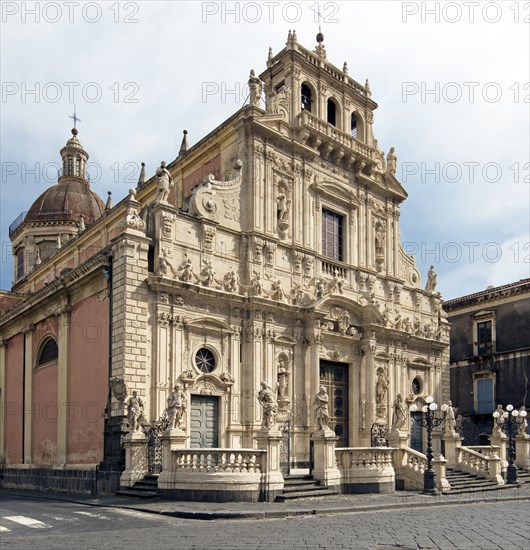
<point x="142" y="489"/>
<point x="298" y="487"/>
<point x="462" y="482"/>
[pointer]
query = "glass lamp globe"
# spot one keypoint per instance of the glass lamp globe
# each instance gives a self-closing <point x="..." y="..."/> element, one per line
<point x="424" y="408"/>
<point x="515" y="412"/>
<point x="509" y="408"/>
<point x="496" y="414"/>
<point x="444" y="407"/>
<point x="429" y="399"/>
<point x="433" y="406"/>
<point x="505" y="414"/>
<point x="523" y="413"/>
<point x="413" y="408"/>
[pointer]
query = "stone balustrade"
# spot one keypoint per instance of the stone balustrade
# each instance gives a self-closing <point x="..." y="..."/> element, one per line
<point x="365" y="469"/>
<point x="409" y="466"/>
<point x="206" y="461"/>
<point x="481" y="465"/>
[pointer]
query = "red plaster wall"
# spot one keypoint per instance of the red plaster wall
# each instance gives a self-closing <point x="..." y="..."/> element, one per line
<point x="12" y="416"/>
<point x="45" y="411"/>
<point x="87" y="380"/>
<point x="213" y="166"/>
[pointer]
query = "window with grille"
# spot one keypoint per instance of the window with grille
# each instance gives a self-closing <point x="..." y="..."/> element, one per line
<point x="484" y="340"/>
<point x="332" y="235"/>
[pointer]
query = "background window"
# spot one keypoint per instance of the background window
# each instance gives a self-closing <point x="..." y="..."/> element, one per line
<point x="49" y="352"/>
<point x="485" y="396"/>
<point x="332" y="235"/>
<point x="20" y="265"/>
<point x="332" y="112"/>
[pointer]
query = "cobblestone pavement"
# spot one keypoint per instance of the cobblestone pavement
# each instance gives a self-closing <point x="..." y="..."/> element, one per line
<point x="28" y="524"/>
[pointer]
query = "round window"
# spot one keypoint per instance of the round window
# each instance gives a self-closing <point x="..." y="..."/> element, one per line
<point x="205" y="360"/>
<point x="416" y="386"/>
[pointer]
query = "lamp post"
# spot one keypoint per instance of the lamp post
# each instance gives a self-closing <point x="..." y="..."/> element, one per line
<point x="509" y="421"/>
<point x="429" y="421"/>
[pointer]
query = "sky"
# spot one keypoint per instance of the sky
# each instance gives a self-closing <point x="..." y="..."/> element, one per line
<point x="451" y="80"/>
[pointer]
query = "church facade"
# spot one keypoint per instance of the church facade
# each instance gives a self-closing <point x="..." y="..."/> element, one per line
<point x="266" y="254"/>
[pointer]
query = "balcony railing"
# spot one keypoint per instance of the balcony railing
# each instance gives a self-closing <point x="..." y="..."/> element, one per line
<point x="17" y="223"/>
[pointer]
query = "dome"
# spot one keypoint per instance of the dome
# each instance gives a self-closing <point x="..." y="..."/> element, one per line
<point x="67" y="201"/>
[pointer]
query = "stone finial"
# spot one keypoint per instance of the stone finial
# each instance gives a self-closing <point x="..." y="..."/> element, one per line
<point x="345" y="68"/>
<point x="295" y="38"/>
<point x="289" y="36"/>
<point x="141" y="178"/>
<point x="82" y="226"/>
<point x="108" y="205"/>
<point x="367" y="87"/>
<point x="270" y="54"/>
<point x="184" y="145"/>
<point x="132" y="194"/>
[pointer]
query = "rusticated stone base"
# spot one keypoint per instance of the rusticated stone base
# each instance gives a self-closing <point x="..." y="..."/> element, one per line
<point x="384" y="487"/>
<point x="204" y="495"/>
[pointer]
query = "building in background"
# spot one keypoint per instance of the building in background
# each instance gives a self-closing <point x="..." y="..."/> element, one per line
<point x="266" y="254"/>
<point x="490" y="354"/>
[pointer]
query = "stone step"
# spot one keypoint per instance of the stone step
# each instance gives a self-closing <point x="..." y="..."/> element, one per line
<point x="317" y="493"/>
<point x="302" y="488"/>
<point x="464" y="490"/>
<point x="130" y="492"/>
<point x="298" y="482"/>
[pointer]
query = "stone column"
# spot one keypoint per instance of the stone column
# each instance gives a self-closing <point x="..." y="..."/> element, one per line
<point x="173" y="438"/>
<point x="136" y="466"/>
<point x="500" y="439"/>
<point x="439" y="463"/>
<point x="3" y="356"/>
<point x="452" y="443"/>
<point x="62" y="384"/>
<point x="522" y="451"/>
<point x="325" y="469"/>
<point x="28" y="394"/>
<point x="271" y="477"/>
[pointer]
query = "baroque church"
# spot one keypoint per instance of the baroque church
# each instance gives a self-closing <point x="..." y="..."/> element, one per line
<point x="267" y="255"/>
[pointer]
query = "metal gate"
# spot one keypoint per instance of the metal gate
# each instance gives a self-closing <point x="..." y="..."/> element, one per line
<point x="154" y="445"/>
<point x="285" y="449"/>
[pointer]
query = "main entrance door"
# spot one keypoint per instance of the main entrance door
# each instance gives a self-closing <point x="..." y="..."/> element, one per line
<point x="416" y="431"/>
<point x="334" y="376"/>
<point x="204" y="421"/>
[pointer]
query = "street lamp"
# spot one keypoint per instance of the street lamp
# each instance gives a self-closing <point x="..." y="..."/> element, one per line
<point x="511" y="420"/>
<point x="429" y="421"/>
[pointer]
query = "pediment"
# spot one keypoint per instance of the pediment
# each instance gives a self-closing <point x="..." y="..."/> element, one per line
<point x="336" y="192"/>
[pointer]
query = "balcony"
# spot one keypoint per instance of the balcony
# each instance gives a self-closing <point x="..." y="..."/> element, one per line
<point x="334" y="144"/>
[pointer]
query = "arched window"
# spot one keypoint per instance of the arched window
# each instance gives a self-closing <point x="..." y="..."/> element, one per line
<point x="49" y="352"/>
<point x="205" y="360"/>
<point x="307" y="97"/>
<point x="332" y="112"/>
<point x="416" y="386"/>
<point x="353" y="125"/>
<point x="20" y="264"/>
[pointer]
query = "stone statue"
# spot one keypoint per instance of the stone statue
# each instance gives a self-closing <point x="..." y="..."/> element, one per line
<point x="207" y="273"/>
<point x="165" y="183"/>
<point x="186" y="271"/>
<point x="398" y="418"/>
<point x="135" y="411"/>
<point x="283" y="378"/>
<point x="256" y="285"/>
<point x="379" y="241"/>
<point x="521" y="428"/>
<point x="283" y="206"/>
<point x="176" y="406"/>
<point x="255" y="86"/>
<point x="459" y="424"/>
<point x="321" y="409"/>
<point x="498" y="423"/>
<point x="164" y="265"/>
<point x="381" y="387"/>
<point x="267" y="400"/>
<point x="277" y="292"/>
<point x="431" y="280"/>
<point x="449" y="422"/>
<point x="231" y="281"/>
<point x="391" y="161"/>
